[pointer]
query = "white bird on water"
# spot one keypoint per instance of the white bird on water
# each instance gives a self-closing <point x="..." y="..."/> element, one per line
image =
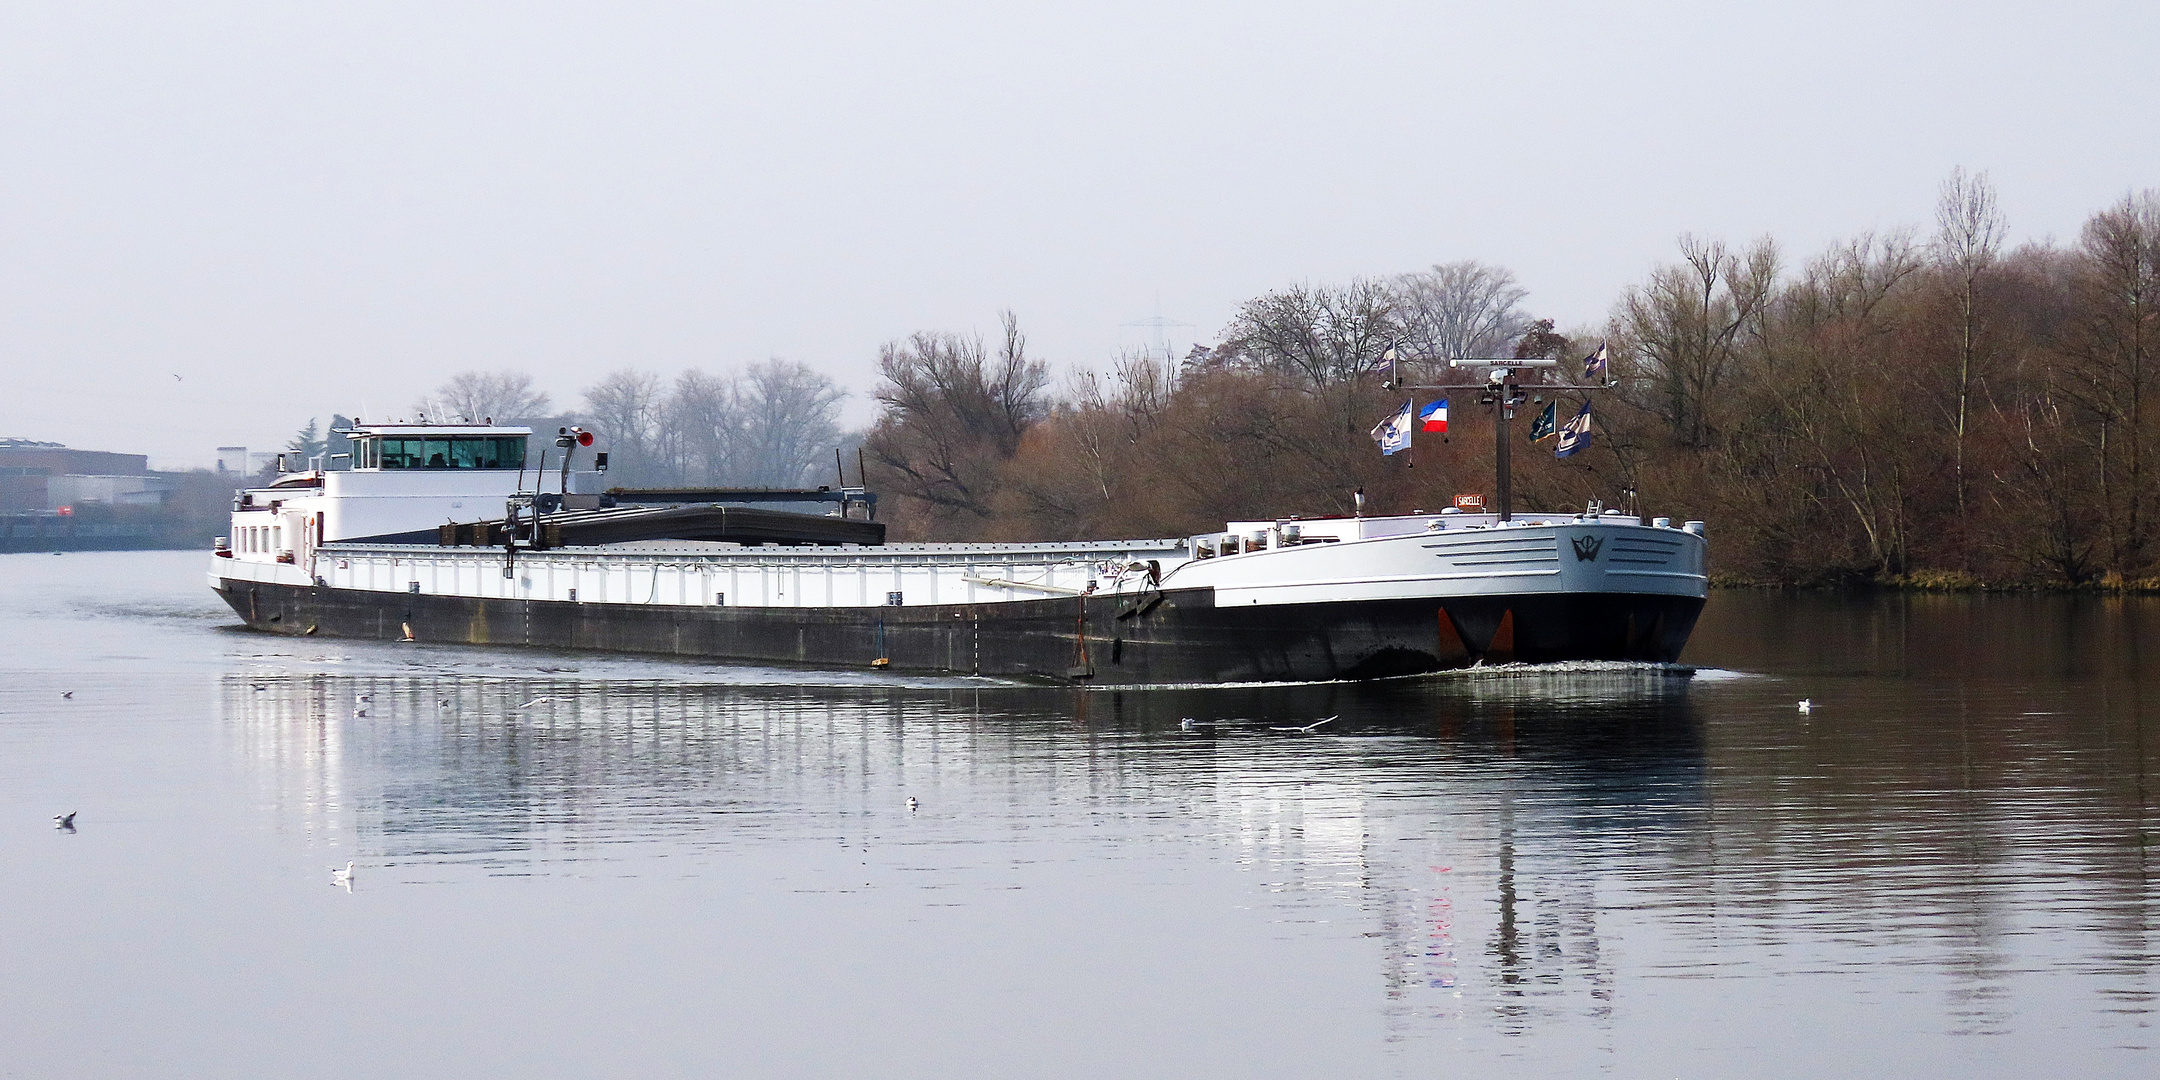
<point x="342" y="876"/>
<point x="1807" y="705"/>
<point x="1307" y="729"/>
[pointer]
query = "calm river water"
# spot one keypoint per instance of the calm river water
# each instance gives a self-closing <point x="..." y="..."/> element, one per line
<point x="573" y="866"/>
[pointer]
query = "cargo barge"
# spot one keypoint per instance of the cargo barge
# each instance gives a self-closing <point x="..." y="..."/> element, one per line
<point x="438" y="533"/>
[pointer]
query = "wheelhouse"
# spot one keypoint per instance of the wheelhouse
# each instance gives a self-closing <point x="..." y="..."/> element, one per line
<point x="437" y="447"/>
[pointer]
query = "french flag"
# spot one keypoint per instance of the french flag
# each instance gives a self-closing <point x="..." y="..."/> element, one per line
<point x="1435" y="416"/>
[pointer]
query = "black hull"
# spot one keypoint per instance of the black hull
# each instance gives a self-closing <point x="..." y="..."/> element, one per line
<point x="1174" y="637"/>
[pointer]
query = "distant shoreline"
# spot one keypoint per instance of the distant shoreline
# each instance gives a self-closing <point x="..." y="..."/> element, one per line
<point x="13" y="547"/>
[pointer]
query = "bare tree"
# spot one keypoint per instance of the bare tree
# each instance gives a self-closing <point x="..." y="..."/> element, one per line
<point x="787" y="420"/>
<point x="2112" y="347"/>
<point x="1686" y="327"/>
<point x="1968" y="235"/>
<point x="1104" y="419"/>
<point x="1320" y="335"/>
<point x="952" y="415"/>
<point x="700" y="421"/>
<point x="625" y="408"/>
<point x="1830" y="411"/>
<point x="1458" y="309"/>
<point x="475" y="396"/>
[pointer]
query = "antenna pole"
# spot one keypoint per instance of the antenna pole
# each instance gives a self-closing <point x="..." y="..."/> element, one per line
<point x="1502" y="472"/>
<point x="862" y="480"/>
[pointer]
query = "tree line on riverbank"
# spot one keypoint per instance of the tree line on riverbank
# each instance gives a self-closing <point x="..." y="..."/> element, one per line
<point x="1934" y="408"/>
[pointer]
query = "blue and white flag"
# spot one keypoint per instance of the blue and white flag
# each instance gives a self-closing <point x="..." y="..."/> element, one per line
<point x="1593" y="365"/>
<point x="1394" y="432"/>
<point x="1575" y="434"/>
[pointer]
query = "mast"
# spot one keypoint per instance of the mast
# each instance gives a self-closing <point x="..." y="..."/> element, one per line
<point x="1503" y="393"/>
<point x="1502" y="473"/>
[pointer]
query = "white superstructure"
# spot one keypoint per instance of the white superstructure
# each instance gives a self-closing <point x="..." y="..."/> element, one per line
<point x="402" y="478"/>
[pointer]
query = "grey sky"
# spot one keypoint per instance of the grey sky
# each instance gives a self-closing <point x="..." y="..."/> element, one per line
<point x="304" y="208"/>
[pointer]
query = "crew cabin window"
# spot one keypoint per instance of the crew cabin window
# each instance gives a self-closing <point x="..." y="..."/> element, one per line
<point x="472" y="452"/>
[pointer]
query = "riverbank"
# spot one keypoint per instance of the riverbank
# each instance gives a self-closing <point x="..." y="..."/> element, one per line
<point x="1945" y="581"/>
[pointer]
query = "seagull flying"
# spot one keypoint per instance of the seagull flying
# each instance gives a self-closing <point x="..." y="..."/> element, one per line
<point x="1307" y="729"/>
<point x="529" y="704"/>
<point x="65" y="822"/>
<point x="68" y="694"/>
<point x="1807" y="705"/>
<point x="912" y="804"/>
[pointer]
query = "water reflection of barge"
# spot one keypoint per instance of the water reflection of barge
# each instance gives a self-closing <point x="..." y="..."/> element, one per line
<point x="407" y="543"/>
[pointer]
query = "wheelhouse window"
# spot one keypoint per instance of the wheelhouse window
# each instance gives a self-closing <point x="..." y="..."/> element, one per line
<point x="458" y="452"/>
